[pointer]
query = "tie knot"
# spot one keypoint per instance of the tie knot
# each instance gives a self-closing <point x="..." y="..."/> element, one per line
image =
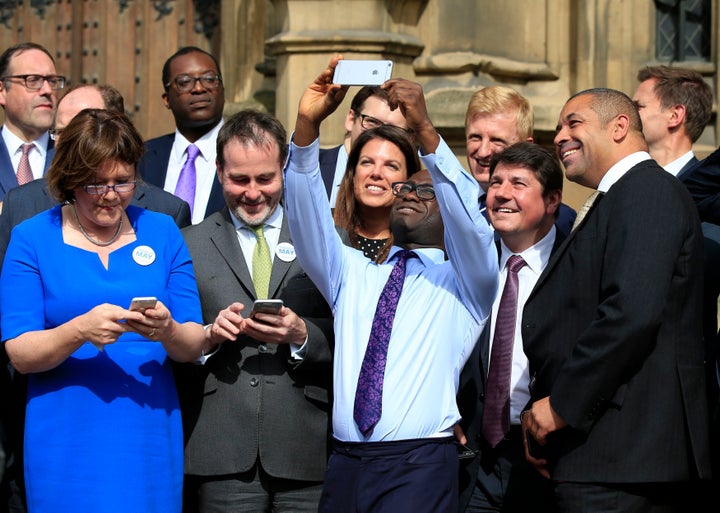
<point x="192" y="152"/>
<point x="27" y="147"/>
<point x="515" y="263"/>
<point x="258" y="231"/>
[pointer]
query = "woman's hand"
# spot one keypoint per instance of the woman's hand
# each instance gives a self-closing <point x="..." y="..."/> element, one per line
<point x="153" y="323"/>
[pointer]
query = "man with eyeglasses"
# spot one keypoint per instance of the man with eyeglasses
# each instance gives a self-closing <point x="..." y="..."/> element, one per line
<point x="28" y="95"/>
<point x="183" y="162"/>
<point x="369" y="109"/>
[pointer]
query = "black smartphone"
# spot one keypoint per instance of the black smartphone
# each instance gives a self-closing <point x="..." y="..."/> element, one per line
<point x="269" y="306"/>
<point x="536" y="450"/>
<point x="465" y="452"/>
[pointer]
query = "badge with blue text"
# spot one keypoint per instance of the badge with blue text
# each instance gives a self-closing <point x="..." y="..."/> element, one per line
<point x="285" y="252"/>
<point x="143" y="255"/>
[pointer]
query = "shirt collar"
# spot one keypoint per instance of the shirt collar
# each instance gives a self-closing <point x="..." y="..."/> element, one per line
<point x="676" y="165"/>
<point x="535" y="255"/>
<point x="207" y="144"/>
<point x="621" y="167"/>
<point x="274" y="221"/>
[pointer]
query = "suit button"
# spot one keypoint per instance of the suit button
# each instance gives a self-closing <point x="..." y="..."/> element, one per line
<point x="262" y="348"/>
<point x="254" y="382"/>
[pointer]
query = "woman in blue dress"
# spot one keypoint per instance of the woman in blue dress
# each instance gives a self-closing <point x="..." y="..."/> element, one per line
<point x="103" y="430"/>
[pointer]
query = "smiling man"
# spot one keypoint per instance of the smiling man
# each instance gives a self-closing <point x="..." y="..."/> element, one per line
<point x="613" y="327"/>
<point x="183" y="162"/>
<point x="28" y="95"/>
<point x="524" y="192"/>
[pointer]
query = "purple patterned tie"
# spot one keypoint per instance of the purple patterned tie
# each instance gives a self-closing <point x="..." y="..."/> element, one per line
<point x="368" y="396"/>
<point x="496" y="414"/>
<point x="185" y="188"/>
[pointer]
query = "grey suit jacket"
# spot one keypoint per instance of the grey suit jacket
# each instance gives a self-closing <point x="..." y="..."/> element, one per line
<point x="250" y="400"/>
<point x="613" y="334"/>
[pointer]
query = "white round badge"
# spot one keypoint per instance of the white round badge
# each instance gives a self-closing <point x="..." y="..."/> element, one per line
<point x="285" y="252"/>
<point x="143" y="255"/>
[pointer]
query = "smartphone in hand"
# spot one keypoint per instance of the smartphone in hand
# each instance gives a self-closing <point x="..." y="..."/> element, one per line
<point x="140" y="304"/>
<point x="535" y="450"/>
<point x="362" y="72"/>
<point x="269" y="306"/>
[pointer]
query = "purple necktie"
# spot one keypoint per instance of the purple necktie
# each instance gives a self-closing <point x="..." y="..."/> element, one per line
<point x="368" y="396"/>
<point x="496" y="414"/>
<point x="185" y="188"/>
<point x="24" y="172"/>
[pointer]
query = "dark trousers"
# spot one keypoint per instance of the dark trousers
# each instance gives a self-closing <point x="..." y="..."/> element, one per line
<point x="506" y="482"/>
<point x="416" y="476"/>
<point x="254" y="491"/>
<point x="631" y="498"/>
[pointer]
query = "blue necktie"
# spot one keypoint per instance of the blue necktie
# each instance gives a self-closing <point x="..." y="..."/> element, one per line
<point x="496" y="413"/>
<point x="368" y="395"/>
<point x="185" y="188"/>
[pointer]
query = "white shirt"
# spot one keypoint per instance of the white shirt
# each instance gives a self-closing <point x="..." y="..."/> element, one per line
<point x="676" y="165"/>
<point x="621" y="167"/>
<point x="204" y="167"/>
<point x="536" y="258"/>
<point x="340" y="167"/>
<point x="37" y="155"/>
<point x="443" y="307"/>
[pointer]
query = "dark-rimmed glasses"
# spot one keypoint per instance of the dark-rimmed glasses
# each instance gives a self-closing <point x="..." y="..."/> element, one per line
<point x="368" y="122"/>
<point x="119" y="188"/>
<point x="423" y="191"/>
<point x="35" y="82"/>
<point x="186" y="83"/>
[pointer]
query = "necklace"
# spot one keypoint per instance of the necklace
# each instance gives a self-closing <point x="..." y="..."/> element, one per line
<point x="95" y="241"/>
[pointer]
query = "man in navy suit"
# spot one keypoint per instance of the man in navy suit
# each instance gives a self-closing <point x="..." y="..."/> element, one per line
<point x="195" y="94"/>
<point x="524" y="193"/>
<point x="28" y="95"/>
<point x="613" y="328"/>
<point x="675" y="105"/>
<point x="368" y="109"/>
<point x="497" y="117"/>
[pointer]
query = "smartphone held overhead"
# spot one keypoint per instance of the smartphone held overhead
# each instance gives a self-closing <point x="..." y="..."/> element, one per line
<point x="362" y="72"/>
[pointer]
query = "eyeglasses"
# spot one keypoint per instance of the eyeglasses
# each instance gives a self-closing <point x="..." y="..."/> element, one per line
<point x="369" y="122"/>
<point x="424" y="192"/>
<point x="54" y="133"/>
<point x="103" y="189"/>
<point x="35" y="82"/>
<point x="186" y="83"/>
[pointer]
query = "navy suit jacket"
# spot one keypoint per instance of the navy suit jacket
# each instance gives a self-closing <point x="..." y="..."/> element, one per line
<point x="8" y="178"/>
<point x="328" y="161"/>
<point x="153" y="168"/>
<point x="612" y="330"/>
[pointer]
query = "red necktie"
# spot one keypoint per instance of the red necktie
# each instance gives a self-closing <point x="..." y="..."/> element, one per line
<point x="496" y="413"/>
<point x="24" y="172"/>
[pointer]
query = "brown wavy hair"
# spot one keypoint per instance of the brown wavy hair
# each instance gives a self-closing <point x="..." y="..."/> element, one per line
<point x="347" y="213"/>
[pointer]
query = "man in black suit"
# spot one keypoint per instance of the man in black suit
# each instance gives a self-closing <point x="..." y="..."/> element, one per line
<point x="195" y="95"/>
<point x="32" y="198"/>
<point x="613" y="328"/>
<point x="524" y="193"/>
<point x="28" y="95"/>
<point x="256" y="413"/>
<point x="368" y="109"/>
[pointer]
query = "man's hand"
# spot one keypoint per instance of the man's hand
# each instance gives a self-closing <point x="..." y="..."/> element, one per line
<point x="320" y="100"/>
<point x="410" y="99"/>
<point x="538" y="422"/>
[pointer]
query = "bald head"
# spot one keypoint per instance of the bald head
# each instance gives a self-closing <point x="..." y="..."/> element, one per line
<point x="74" y="101"/>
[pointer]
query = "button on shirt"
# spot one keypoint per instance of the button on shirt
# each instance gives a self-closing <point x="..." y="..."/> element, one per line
<point x="204" y="164"/>
<point x="536" y="258"/>
<point x="443" y="307"/>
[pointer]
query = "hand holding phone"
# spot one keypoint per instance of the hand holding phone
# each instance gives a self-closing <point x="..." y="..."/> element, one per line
<point x="362" y="72"/>
<point x="140" y="304"/>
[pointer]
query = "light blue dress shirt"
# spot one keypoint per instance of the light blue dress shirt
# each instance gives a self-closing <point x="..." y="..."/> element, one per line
<point x="442" y="310"/>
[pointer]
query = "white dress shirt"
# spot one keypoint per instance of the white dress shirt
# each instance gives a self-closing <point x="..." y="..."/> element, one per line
<point x="442" y="310"/>
<point x="36" y="157"/>
<point x="204" y="166"/>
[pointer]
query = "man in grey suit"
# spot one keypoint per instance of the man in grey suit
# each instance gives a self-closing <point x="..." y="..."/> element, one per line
<point x="613" y="328"/>
<point x="256" y="410"/>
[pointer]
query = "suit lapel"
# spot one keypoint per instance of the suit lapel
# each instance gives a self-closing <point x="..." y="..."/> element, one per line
<point x="8" y="180"/>
<point x="225" y="240"/>
<point x="280" y="267"/>
<point x="154" y="164"/>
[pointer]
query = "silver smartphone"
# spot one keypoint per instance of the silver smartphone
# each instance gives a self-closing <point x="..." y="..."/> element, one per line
<point x="140" y="304"/>
<point x="362" y="72"/>
<point x="269" y="306"/>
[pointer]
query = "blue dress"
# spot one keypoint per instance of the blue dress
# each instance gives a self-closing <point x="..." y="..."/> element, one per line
<point x="103" y="431"/>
